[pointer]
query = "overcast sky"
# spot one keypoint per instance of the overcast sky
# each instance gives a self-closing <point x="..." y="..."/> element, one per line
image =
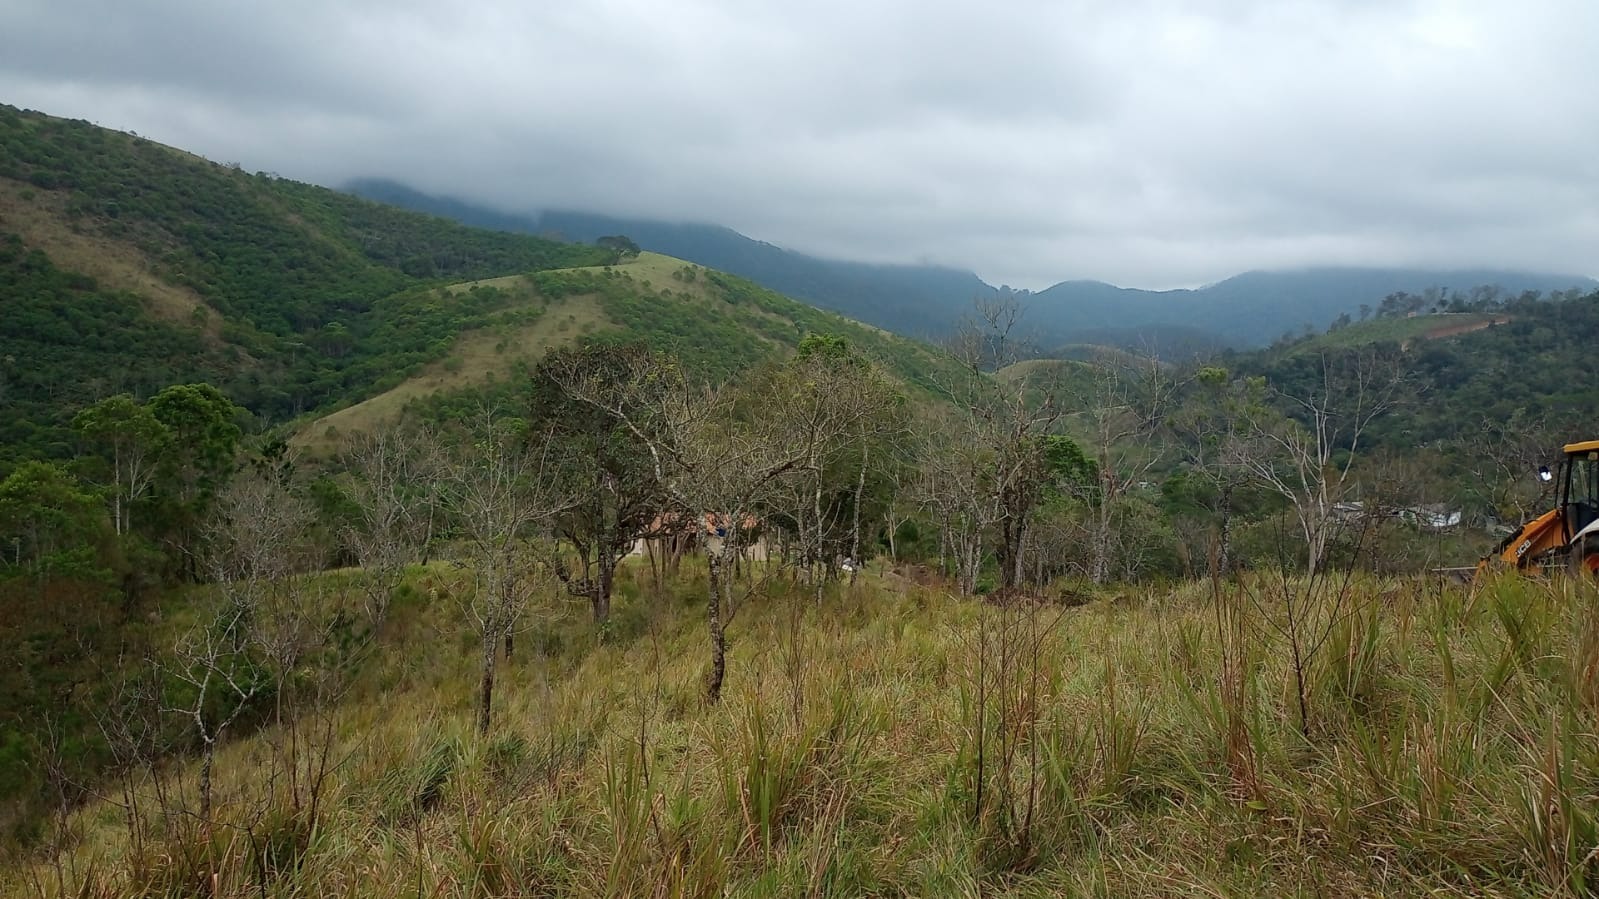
<point x="1150" y="143"/>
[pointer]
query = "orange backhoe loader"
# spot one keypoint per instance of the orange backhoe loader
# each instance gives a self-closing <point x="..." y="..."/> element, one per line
<point x="1566" y="536"/>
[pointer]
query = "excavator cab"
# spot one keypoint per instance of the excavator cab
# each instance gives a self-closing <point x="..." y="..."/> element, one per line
<point x="1567" y="535"/>
<point x="1579" y="504"/>
<point x="1579" y="492"/>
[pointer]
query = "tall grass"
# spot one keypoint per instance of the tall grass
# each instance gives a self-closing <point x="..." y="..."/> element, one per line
<point x="1138" y="745"/>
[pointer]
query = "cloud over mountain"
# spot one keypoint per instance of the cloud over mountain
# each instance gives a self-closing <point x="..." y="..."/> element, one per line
<point x="1150" y="142"/>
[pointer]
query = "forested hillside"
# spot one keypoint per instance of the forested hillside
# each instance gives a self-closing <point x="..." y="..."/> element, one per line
<point x="919" y="301"/>
<point x="1500" y="368"/>
<point x="1256" y="308"/>
<point x="177" y="330"/>
<point x="345" y="549"/>
<point x="1247" y="310"/>
<point x="435" y="661"/>
<point x="126" y="266"/>
<point x="718" y="325"/>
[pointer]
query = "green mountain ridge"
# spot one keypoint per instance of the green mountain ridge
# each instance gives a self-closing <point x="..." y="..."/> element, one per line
<point x="126" y="265"/>
<point x="1246" y="310"/>
<point x="1257" y="307"/>
<point x="1514" y="369"/>
<point x="917" y="301"/>
<point x="716" y="324"/>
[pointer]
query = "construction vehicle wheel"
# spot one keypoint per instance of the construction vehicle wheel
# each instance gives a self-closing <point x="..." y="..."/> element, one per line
<point x="1585" y="559"/>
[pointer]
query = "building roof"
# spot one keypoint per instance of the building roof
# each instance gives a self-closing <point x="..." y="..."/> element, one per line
<point x="713" y="525"/>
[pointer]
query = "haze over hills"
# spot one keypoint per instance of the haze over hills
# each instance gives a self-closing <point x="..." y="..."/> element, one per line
<point x="917" y="301"/>
<point x="127" y="265"/>
<point x="1250" y="309"/>
<point x="140" y="265"/>
<point x="1256" y="307"/>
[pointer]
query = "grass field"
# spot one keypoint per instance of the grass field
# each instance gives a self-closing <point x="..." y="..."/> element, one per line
<point x="484" y="354"/>
<point x="658" y="270"/>
<point x="476" y="356"/>
<point x="1039" y="368"/>
<point x="898" y="741"/>
<point x="494" y="351"/>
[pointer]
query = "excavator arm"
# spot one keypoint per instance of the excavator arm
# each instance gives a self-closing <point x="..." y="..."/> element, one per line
<point x="1530" y="547"/>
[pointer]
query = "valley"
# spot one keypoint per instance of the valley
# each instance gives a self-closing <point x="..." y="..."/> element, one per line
<point x="350" y="549"/>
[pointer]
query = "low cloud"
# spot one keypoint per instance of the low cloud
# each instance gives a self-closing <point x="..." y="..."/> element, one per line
<point x="1150" y="143"/>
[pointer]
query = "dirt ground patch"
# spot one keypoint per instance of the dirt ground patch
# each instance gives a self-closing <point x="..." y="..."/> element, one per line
<point x="40" y="218"/>
<point x="1464" y="328"/>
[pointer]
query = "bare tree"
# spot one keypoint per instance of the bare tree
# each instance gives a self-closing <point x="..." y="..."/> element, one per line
<point x="1121" y="407"/>
<point x="836" y="404"/>
<point x="729" y="469"/>
<point x="609" y="476"/>
<point x="1011" y="412"/>
<point x="502" y="496"/>
<point x="958" y="490"/>
<point x="1303" y="444"/>
<point x="1501" y="458"/>
<point x="394" y="484"/>
<point x="220" y="681"/>
<point x="718" y="466"/>
<point x="129" y="722"/>
<point x="257" y="552"/>
<point x="282" y="619"/>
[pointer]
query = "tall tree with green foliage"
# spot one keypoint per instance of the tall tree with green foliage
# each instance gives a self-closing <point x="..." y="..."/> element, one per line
<point x="621" y="245"/>
<point x="1071" y="488"/>
<point x="205" y="444"/>
<point x="604" y="469"/>
<point x="1207" y="424"/>
<point x="48" y="522"/>
<point x="132" y="441"/>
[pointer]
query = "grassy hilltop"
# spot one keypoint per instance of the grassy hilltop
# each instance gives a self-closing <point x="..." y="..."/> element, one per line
<point x="127" y="266"/>
<point x="719" y="325"/>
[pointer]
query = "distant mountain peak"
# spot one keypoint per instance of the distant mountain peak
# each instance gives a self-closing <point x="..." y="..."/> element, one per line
<point x="1250" y="308"/>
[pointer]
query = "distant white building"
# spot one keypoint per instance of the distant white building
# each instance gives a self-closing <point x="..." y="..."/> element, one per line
<point x="1349" y="511"/>
<point x="1433" y="518"/>
<point x="1429" y="517"/>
